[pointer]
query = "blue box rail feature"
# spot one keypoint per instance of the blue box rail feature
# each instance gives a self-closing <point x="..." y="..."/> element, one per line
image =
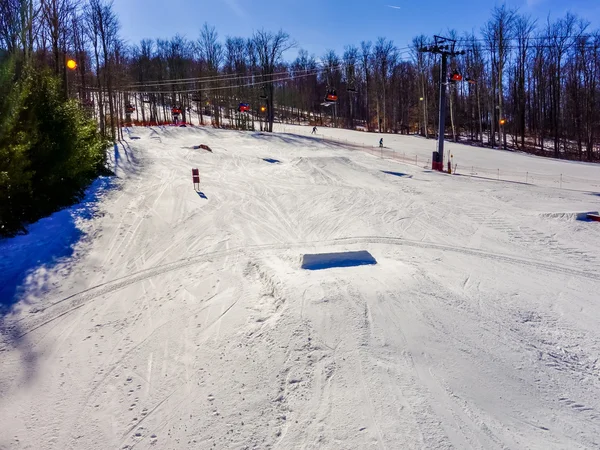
<point x="320" y="261"/>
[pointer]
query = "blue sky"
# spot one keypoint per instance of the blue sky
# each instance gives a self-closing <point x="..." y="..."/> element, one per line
<point x="319" y="25"/>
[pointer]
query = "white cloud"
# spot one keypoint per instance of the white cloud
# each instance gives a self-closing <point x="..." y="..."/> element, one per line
<point x="393" y="6"/>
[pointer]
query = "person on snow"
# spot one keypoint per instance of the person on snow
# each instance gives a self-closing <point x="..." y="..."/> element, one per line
<point x="314" y="131"/>
<point x="381" y="143"/>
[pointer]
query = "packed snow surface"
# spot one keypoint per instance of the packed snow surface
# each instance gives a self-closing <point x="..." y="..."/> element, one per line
<point x="155" y="316"/>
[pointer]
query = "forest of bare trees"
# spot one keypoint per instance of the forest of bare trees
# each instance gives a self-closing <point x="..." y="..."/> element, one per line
<point x="536" y="83"/>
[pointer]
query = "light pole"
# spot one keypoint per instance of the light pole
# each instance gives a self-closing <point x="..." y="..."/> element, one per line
<point x="423" y="129"/>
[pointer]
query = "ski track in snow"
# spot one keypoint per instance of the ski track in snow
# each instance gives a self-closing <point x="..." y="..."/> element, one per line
<point x="183" y="321"/>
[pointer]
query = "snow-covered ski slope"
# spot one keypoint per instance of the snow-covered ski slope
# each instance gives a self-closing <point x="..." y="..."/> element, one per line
<point x="470" y="160"/>
<point x="152" y="316"/>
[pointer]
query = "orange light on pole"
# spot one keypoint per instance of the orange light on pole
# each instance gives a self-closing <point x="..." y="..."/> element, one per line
<point x="263" y="108"/>
<point x="71" y="64"/>
<point x="502" y="121"/>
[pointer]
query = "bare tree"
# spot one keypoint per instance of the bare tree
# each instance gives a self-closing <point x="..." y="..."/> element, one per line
<point x="102" y="27"/>
<point x="365" y="56"/>
<point x="80" y="46"/>
<point x="523" y="27"/>
<point x="384" y="60"/>
<point x="57" y="15"/>
<point x="9" y="25"/>
<point x="422" y="69"/>
<point x="19" y="26"/>
<point x="269" y="49"/>
<point x="236" y="64"/>
<point x="306" y="85"/>
<point x="211" y="52"/>
<point x="591" y="92"/>
<point x="350" y="59"/>
<point x="498" y="32"/>
<point x="560" y="37"/>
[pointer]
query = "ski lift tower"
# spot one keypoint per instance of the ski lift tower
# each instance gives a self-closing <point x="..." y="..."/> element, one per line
<point x="445" y="47"/>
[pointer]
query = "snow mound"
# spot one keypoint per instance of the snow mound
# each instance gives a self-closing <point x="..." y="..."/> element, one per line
<point x="321" y="261"/>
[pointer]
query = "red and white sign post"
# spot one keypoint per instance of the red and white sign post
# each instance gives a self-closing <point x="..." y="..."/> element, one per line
<point x="196" y="178"/>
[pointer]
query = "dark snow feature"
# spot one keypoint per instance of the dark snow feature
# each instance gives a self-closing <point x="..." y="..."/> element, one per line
<point x="321" y="261"/>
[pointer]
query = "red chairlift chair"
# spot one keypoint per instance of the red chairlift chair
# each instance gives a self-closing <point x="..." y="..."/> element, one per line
<point x="331" y="96"/>
<point x="456" y="77"/>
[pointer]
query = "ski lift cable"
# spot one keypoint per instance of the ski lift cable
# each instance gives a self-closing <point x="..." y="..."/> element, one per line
<point x="547" y="37"/>
<point x="250" y="84"/>
<point x="235" y="77"/>
<point x="231" y="77"/>
<point x="225" y="77"/>
<point x="514" y="41"/>
<point x="219" y="88"/>
<point x="532" y="48"/>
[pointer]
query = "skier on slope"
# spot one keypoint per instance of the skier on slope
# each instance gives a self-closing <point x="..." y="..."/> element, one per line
<point x="381" y="143"/>
<point x="314" y="130"/>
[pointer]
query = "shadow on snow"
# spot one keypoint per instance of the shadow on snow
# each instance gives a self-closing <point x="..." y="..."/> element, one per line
<point x="397" y="174"/>
<point x="30" y="257"/>
<point x="29" y="260"/>
<point x="295" y="139"/>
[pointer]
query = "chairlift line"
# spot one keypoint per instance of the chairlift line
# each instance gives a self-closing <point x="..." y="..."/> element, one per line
<point x="540" y="38"/>
<point x="216" y="78"/>
<point x="148" y="92"/>
<point x="225" y="77"/>
<point x="218" y="88"/>
<point x="233" y="77"/>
